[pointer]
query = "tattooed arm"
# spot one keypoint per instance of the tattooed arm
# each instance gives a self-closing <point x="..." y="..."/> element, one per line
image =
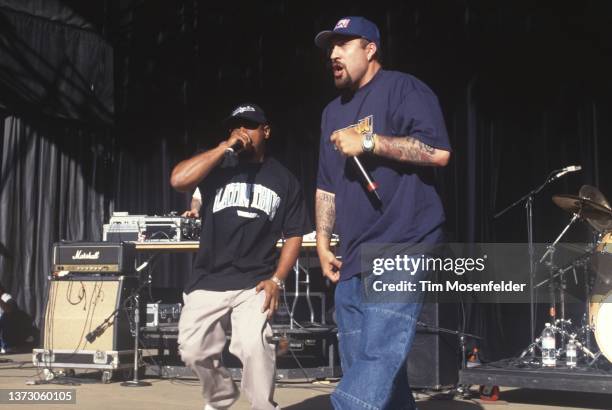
<point x="409" y="149"/>
<point x="325" y="209"/>
<point x="404" y="149"/>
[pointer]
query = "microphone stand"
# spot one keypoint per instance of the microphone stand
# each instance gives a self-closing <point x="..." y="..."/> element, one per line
<point x="528" y="200"/>
<point x="463" y="390"/>
<point x="101" y="328"/>
<point x="135" y="382"/>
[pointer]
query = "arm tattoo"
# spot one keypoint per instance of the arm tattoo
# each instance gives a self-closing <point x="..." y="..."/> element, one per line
<point x="325" y="213"/>
<point x="406" y="149"/>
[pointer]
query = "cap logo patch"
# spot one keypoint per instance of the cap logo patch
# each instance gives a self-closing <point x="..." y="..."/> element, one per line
<point x="242" y="109"/>
<point x="342" y="23"/>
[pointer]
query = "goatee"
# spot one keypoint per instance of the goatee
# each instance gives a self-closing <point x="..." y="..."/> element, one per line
<point x="343" y="82"/>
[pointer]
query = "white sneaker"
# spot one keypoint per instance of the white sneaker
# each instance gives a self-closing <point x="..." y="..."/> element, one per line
<point x="209" y="407"/>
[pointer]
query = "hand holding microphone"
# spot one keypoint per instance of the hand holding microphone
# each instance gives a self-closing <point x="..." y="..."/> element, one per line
<point x="238" y="140"/>
<point x="349" y="141"/>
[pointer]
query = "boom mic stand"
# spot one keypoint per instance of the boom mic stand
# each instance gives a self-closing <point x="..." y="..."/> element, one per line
<point x="528" y="200"/>
<point x="99" y="330"/>
<point x="463" y="390"/>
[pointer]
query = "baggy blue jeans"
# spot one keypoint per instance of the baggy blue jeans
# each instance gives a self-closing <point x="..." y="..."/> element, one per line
<point x="374" y="341"/>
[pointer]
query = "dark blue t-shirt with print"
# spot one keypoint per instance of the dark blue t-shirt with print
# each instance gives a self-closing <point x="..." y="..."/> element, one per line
<point x="246" y="209"/>
<point x="392" y="104"/>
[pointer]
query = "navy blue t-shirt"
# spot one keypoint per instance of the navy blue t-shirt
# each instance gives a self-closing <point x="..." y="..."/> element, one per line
<point x="245" y="211"/>
<point x="391" y="104"/>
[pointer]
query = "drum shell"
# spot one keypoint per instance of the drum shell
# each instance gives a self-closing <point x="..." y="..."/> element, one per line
<point x="602" y="321"/>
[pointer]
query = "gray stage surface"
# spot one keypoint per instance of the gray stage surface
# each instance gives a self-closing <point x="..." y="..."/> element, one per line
<point x="184" y="394"/>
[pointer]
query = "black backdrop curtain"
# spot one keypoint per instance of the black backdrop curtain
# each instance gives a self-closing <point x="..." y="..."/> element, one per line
<point x="53" y="185"/>
<point x="53" y="64"/>
<point x="55" y="174"/>
<point x="524" y="90"/>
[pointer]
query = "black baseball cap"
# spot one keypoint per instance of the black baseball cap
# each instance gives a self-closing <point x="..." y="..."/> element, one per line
<point x="248" y="111"/>
<point x="352" y="26"/>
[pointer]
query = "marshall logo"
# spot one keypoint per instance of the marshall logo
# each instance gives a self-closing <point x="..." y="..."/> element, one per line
<point x="86" y="255"/>
<point x="94" y="257"/>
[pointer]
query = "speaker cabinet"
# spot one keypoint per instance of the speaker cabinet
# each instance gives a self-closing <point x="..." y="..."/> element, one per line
<point x="433" y="361"/>
<point x="78" y="305"/>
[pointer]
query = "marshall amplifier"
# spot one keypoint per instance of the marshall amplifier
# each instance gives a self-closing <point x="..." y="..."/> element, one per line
<point x="75" y="332"/>
<point x="94" y="257"/>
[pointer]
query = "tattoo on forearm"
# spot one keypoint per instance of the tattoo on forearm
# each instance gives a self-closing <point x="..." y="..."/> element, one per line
<point x="325" y="213"/>
<point x="407" y="149"/>
<point x="324" y="196"/>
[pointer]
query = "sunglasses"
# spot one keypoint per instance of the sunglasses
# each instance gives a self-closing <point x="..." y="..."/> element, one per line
<point x="247" y="124"/>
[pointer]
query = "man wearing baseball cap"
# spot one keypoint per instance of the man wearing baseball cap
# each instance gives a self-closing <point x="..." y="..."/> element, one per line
<point x="392" y="124"/>
<point x="247" y="206"/>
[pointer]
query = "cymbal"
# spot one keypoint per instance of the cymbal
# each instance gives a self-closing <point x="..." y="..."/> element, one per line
<point x="585" y="207"/>
<point x="591" y="193"/>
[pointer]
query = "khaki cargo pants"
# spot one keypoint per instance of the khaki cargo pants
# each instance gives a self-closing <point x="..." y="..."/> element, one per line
<point x="205" y="319"/>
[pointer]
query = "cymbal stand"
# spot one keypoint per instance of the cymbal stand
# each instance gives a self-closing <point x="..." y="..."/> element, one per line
<point x="561" y="326"/>
<point x="561" y="330"/>
<point x="551" y="248"/>
<point x="579" y="344"/>
<point x="552" y="286"/>
<point x="550" y="251"/>
<point x="586" y="321"/>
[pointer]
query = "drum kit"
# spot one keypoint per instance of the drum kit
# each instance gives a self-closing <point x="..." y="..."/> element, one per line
<point x="589" y="206"/>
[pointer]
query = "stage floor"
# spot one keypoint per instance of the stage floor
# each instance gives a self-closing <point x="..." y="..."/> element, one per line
<point x="184" y="394"/>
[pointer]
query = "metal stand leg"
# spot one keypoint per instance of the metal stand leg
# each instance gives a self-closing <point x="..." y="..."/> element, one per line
<point x="308" y="300"/>
<point x="531" y="348"/>
<point x="564" y="334"/>
<point x="297" y="269"/>
<point x="532" y="318"/>
<point x="552" y="286"/>
<point x="135" y="382"/>
<point x="296" y="293"/>
<point x="595" y="359"/>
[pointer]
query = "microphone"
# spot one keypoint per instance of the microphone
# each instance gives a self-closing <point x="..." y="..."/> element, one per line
<point x="230" y="155"/>
<point x="371" y="185"/>
<point x="236" y="147"/>
<point x="94" y="334"/>
<point x="566" y="170"/>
